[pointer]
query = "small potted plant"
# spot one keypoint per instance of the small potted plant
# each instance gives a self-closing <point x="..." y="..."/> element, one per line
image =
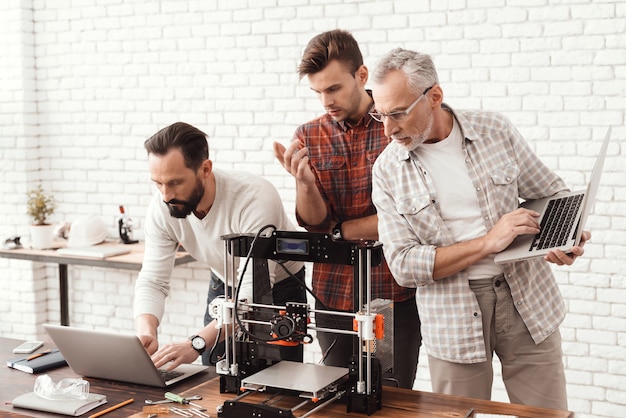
<point x="40" y="206"/>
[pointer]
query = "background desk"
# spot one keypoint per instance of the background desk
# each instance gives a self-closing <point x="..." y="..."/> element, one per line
<point x="130" y="261"/>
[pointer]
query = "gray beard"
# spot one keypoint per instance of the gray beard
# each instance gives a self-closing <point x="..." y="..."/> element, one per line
<point x="417" y="140"/>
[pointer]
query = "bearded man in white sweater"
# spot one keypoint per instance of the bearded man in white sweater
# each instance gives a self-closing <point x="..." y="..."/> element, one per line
<point x="197" y="205"/>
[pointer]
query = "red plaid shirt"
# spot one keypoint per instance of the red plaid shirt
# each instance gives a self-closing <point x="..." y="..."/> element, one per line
<point x="341" y="157"/>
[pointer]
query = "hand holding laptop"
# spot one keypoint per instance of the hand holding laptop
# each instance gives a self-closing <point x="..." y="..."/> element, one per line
<point x="562" y="222"/>
<point x="561" y="258"/>
<point x="525" y="221"/>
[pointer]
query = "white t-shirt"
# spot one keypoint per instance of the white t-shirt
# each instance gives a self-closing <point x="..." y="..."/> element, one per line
<point x="458" y="205"/>
<point x="244" y="203"/>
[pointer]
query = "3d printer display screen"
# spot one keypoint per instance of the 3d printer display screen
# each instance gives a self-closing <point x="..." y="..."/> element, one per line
<point x="292" y="246"/>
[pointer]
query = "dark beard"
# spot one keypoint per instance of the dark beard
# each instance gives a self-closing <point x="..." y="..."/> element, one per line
<point x="189" y="205"/>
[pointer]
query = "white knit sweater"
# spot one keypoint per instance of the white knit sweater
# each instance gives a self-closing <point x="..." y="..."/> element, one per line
<point x="243" y="204"/>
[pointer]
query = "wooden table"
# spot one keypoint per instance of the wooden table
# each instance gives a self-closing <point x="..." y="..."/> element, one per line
<point x="14" y="383"/>
<point x="397" y="403"/>
<point x="130" y="261"/>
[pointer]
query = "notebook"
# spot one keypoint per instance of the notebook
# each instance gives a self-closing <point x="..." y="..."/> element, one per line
<point x="38" y="363"/>
<point x="113" y="356"/>
<point x="72" y="407"/>
<point x="562" y="219"/>
<point x="96" y="251"/>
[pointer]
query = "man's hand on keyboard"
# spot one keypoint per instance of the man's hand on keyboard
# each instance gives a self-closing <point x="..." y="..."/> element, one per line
<point x="172" y="355"/>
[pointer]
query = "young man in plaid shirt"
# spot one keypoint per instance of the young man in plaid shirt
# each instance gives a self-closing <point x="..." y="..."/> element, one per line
<point x="331" y="158"/>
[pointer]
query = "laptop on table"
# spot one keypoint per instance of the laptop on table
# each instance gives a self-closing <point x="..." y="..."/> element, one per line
<point x="562" y="219"/>
<point x="112" y="356"/>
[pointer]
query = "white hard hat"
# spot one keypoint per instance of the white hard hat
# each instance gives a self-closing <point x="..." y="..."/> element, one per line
<point x="90" y="230"/>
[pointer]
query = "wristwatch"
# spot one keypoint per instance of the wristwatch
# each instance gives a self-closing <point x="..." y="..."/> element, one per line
<point x="337" y="231"/>
<point x="198" y="343"/>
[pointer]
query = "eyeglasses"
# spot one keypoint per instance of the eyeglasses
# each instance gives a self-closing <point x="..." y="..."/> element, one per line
<point x="400" y="115"/>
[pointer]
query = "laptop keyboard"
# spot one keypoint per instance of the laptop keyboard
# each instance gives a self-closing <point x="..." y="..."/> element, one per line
<point x="168" y="375"/>
<point x="557" y="222"/>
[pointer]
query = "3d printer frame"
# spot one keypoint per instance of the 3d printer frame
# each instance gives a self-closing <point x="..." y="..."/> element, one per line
<point x="246" y="356"/>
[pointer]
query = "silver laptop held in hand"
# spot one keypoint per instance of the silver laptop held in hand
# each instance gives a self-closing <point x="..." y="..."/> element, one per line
<point x="562" y="219"/>
<point x="113" y="356"/>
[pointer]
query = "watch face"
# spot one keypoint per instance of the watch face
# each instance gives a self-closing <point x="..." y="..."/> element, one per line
<point x="198" y="343"/>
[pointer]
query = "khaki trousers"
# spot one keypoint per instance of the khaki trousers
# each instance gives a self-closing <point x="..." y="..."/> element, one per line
<point x="532" y="374"/>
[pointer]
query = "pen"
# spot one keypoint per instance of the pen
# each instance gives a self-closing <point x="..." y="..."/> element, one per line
<point x="114" y="407"/>
<point x="34" y="356"/>
<point x="469" y="413"/>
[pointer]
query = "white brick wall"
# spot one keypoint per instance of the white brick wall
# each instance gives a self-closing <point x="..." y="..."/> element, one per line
<point x="84" y="82"/>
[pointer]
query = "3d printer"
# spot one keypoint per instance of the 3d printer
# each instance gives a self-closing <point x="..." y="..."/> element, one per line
<point x="251" y="363"/>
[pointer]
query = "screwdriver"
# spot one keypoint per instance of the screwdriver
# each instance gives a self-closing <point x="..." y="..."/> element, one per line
<point x="177" y="398"/>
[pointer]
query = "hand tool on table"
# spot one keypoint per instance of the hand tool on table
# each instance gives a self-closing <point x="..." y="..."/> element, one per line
<point x="190" y="398"/>
<point x="180" y="399"/>
<point x="160" y="409"/>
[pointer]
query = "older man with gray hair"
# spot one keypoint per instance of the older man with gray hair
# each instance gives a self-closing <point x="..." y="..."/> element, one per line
<point x="447" y="192"/>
